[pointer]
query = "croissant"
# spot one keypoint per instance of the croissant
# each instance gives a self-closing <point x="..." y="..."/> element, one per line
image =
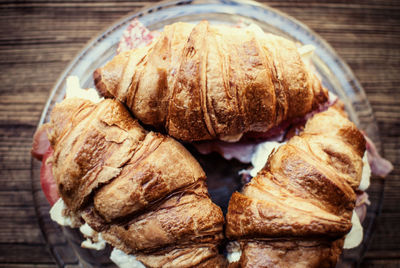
<point x="142" y="191"/>
<point x="297" y="210"/>
<point x="202" y="82"/>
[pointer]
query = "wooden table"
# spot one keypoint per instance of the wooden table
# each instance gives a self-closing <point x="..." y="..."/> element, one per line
<point x="39" y="38"/>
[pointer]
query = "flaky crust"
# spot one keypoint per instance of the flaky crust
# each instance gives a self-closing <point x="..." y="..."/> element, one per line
<point x="198" y="257"/>
<point x="204" y="82"/>
<point x="142" y="191"/>
<point x="301" y="203"/>
<point x="293" y="253"/>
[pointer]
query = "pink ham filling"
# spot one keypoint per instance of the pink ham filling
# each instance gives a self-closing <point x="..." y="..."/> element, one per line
<point x="42" y="150"/>
<point x="244" y="149"/>
<point x="135" y="35"/>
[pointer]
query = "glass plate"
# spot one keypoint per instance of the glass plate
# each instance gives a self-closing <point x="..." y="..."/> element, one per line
<point x="64" y="243"/>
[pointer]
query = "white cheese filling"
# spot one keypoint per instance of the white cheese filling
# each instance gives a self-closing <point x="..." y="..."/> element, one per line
<point x="366" y="174"/>
<point x="94" y="240"/>
<point x="74" y="90"/>
<point x="234" y="255"/>
<point x="58" y="214"/>
<point x="261" y="155"/>
<point x="355" y="236"/>
<point x="124" y="260"/>
<point x="234" y="252"/>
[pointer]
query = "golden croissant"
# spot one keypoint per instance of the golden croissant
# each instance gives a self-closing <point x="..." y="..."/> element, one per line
<point x="143" y="191"/>
<point x="202" y="82"/>
<point x="297" y="210"/>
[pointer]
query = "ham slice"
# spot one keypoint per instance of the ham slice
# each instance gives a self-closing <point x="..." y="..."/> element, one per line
<point x="379" y="165"/>
<point x="47" y="181"/>
<point x="136" y="35"/>
<point x="362" y="202"/>
<point x="40" y="143"/>
<point x="42" y="151"/>
<point x="244" y="149"/>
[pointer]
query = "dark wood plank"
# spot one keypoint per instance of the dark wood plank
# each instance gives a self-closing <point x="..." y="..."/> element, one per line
<point x="24" y="253"/>
<point x="11" y="199"/>
<point x="15" y="180"/>
<point x="15" y="147"/>
<point x="10" y="265"/>
<point x="392" y="263"/>
<point x="19" y="225"/>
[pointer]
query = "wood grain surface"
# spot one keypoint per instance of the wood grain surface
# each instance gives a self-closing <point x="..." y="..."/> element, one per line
<point x="39" y="38"/>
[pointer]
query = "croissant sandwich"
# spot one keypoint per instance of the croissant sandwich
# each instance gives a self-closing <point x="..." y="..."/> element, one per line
<point x="146" y="195"/>
<point x="297" y="210"/>
<point x="141" y="190"/>
<point x="202" y="82"/>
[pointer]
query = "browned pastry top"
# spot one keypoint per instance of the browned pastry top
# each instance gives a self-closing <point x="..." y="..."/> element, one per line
<point x="143" y="191"/>
<point x="205" y="82"/>
<point x="290" y="253"/>
<point x="301" y="203"/>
